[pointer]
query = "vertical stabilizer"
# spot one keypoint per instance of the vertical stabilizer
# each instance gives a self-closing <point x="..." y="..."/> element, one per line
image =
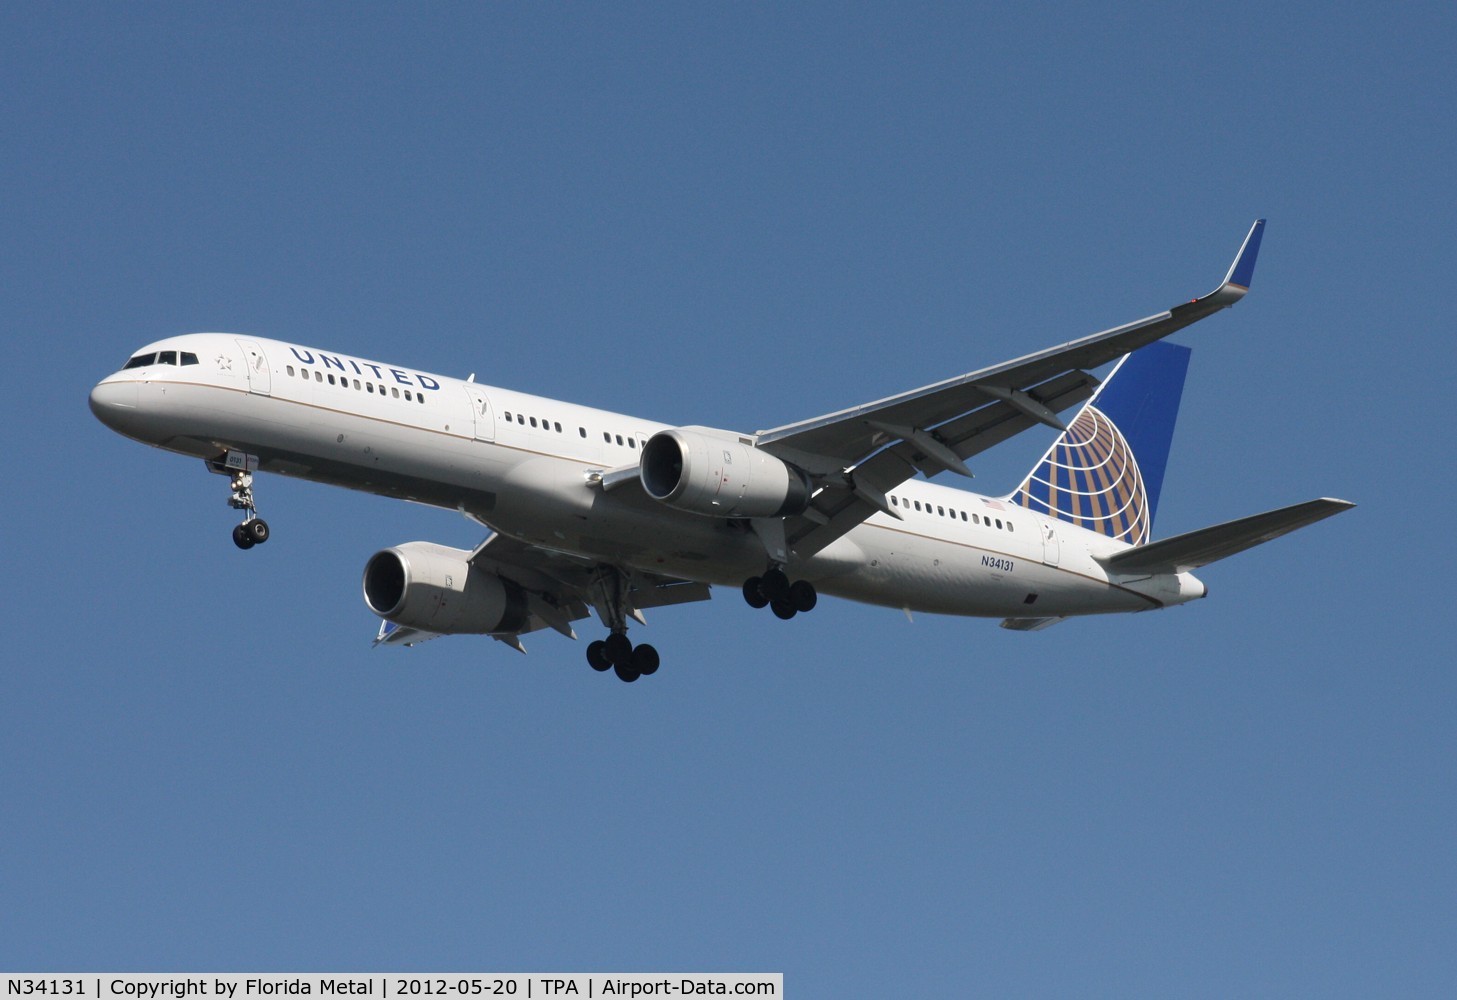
<point x="1105" y="471"/>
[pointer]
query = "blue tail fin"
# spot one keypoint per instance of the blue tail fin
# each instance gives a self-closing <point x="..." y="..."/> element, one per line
<point x="1105" y="471"/>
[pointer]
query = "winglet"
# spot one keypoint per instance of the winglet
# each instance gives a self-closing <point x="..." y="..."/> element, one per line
<point x="1243" y="268"/>
<point x="1237" y="282"/>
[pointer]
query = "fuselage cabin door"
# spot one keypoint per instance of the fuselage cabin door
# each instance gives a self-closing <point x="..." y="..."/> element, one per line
<point x="260" y="379"/>
<point x="481" y="413"/>
<point x="1051" y="544"/>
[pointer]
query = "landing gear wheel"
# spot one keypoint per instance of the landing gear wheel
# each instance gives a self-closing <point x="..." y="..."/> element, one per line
<point x="775" y="585"/>
<point x="754" y="592"/>
<point x="783" y="609"/>
<point x="242" y="537"/>
<point x="258" y="529"/>
<point x="802" y="595"/>
<point x="597" y="656"/>
<point x="618" y="648"/>
<point x="645" y="659"/>
<point x="625" y="672"/>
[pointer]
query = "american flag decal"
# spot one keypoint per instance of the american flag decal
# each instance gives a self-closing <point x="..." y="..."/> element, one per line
<point x="1090" y="478"/>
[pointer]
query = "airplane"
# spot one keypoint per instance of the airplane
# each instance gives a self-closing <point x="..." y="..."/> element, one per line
<point x="592" y="511"/>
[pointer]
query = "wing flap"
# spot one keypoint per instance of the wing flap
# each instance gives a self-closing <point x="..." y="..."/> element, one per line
<point x="1200" y="548"/>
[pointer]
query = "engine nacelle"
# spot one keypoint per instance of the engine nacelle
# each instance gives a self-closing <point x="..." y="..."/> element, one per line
<point x="435" y="588"/>
<point x="713" y="472"/>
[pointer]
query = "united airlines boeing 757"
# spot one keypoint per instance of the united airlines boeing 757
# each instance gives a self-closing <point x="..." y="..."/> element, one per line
<point x="593" y="511"/>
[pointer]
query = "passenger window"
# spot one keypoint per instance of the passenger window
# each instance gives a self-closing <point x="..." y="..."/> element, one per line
<point x="290" y="371"/>
<point x="941" y="511"/>
<point x="583" y="431"/>
<point x="619" y="439"/>
<point x="918" y="505"/>
<point x="420" y="398"/>
<point x="408" y="397"/>
<point x="381" y="390"/>
<point x="975" y="519"/>
<point x="894" y="502"/>
<point x="558" y="428"/>
<point x="331" y="378"/>
<point x="188" y="358"/>
<point x="533" y="421"/>
<point x="999" y="523"/>
<point x="606" y="437"/>
<point x="394" y="392"/>
<point x="318" y="376"/>
<point x="369" y="386"/>
<point x="1009" y="525"/>
<point x="632" y="442"/>
<point x="508" y="416"/>
<point x="963" y="515"/>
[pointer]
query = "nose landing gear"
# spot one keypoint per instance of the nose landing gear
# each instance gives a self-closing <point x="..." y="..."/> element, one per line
<point x="239" y="468"/>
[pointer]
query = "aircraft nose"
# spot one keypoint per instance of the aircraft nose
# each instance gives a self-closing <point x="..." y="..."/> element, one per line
<point x="115" y="403"/>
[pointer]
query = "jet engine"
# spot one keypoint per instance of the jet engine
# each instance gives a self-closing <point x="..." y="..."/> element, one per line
<point x="435" y="588"/>
<point x="713" y="472"/>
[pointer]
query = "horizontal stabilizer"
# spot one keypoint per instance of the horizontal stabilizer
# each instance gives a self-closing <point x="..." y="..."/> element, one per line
<point x="1200" y="548"/>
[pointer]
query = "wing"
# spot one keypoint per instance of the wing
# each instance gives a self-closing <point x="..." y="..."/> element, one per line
<point x="391" y="634"/>
<point x="1200" y="548"/>
<point x="562" y="588"/>
<point x="858" y="454"/>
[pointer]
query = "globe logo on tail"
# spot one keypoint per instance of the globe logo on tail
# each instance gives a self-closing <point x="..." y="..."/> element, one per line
<point x="1090" y="478"/>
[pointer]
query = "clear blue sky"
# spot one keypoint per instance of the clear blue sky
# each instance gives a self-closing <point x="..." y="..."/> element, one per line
<point x="739" y="216"/>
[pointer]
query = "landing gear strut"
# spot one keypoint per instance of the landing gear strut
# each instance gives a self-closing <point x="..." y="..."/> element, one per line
<point x="774" y="590"/>
<point x="616" y="652"/>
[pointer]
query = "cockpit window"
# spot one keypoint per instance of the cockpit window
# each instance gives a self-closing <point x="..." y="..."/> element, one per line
<point x="167" y="358"/>
<point x="188" y="358"/>
<point x="140" y="361"/>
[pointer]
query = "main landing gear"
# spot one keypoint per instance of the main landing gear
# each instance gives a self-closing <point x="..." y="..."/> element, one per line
<point x="785" y="599"/>
<point x="618" y="654"/>
<point x="610" y="597"/>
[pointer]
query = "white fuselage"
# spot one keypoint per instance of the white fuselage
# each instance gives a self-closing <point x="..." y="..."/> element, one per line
<point x="525" y="466"/>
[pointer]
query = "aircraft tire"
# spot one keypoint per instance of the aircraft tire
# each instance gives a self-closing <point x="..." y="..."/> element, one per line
<point x="625" y="672"/>
<point x="803" y="596"/>
<point x="645" y="659"/>
<point x="258" y="529"/>
<point x="597" y="656"/>
<point x="618" y="648"/>
<point x="754" y="592"/>
<point x="783" y="609"/>
<point x="775" y="585"/>
<point x="242" y="537"/>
